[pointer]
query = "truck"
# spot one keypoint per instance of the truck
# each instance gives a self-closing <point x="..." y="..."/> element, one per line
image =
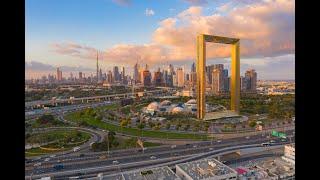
<point x="58" y="166"/>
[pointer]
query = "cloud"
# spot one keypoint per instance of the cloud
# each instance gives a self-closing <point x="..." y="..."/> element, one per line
<point x="38" y="66"/>
<point x="196" y="2"/>
<point x="73" y="49"/>
<point x="122" y="2"/>
<point x="149" y="12"/>
<point x="265" y="29"/>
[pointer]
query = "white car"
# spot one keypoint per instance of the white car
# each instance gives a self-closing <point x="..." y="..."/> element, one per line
<point x="37" y="164"/>
<point x="153" y="157"/>
<point x="219" y="141"/>
<point x="194" y="146"/>
<point x="47" y="159"/>
<point x="76" y="149"/>
<point x="115" y="162"/>
<point x="248" y="137"/>
<point x="210" y="149"/>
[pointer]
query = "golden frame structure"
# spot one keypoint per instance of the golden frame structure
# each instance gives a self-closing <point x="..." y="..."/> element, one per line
<point x="201" y="65"/>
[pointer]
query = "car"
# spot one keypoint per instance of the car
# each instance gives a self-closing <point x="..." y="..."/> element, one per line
<point x="194" y="146"/>
<point x="103" y="157"/>
<point x="210" y="149"/>
<point x="47" y="159"/>
<point x="248" y="137"/>
<point x="52" y="156"/>
<point x="272" y="141"/>
<point x="283" y="140"/>
<point x="115" y="162"/>
<point x="219" y="141"/>
<point x="76" y="149"/>
<point x="187" y="144"/>
<point x="37" y="164"/>
<point x="153" y="157"/>
<point x="173" y="146"/>
<point x="81" y="155"/>
<point x="268" y="137"/>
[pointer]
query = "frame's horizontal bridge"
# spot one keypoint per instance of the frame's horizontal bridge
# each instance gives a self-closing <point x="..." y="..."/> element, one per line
<point x="220" y="39"/>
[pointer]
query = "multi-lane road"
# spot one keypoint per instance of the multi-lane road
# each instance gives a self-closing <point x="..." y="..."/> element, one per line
<point x="88" y="164"/>
<point x="126" y="159"/>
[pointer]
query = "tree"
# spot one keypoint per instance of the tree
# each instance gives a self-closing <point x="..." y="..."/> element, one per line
<point x="46" y="118"/>
<point x="151" y="124"/>
<point x="252" y="123"/>
<point x="187" y="127"/>
<point x="140" y="126"/>
<point x="178" y="126"/>
<point x="168" y="125"/>
<point x="123" y="123"/>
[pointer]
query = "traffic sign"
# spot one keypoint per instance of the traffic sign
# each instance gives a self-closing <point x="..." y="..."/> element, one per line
<point x="275" y="133"/>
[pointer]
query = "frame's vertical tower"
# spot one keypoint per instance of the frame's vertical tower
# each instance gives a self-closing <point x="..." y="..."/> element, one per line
<point x="201" y="82"/>
<point x="235" y="77"/>
<point x="201" y="65"/>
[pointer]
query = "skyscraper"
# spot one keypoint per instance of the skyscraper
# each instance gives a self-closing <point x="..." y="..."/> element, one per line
<point x="100" y="75"/>
<point x="123" y="74"/>
<point x="251" y="76"/>
<point x="193" y="75"/>
<point x="217" y="80"/>
<point x="59" y="74"/>
<point x="80" y="75"/>
<point x="116" y="73"/>
<point x="109" y="77"/>
<point x="97" y="75"/>
<point x="193" y="67"/>
<point x="180" y="77"/>
<point x="146" y="78"/>
<point x="158" y="78"/>
<point x="136" y="72"/>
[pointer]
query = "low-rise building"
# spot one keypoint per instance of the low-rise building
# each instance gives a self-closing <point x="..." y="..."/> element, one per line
<point x="205" y="169"/>
<point x="163" y="173"/>
<point x="289" y="153"/>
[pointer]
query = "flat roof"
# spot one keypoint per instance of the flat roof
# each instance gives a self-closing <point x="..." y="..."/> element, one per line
<point x="206" y="168"/>
<point x="160" y="173"/>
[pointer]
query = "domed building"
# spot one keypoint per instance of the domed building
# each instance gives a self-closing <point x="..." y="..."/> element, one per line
<point x="153" y="106"/>
<point x="177" y="110"/>
<point x="191" y="102"/>
<point x="165" y="103"/>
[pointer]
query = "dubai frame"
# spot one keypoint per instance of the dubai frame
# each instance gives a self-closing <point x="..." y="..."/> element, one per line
<point x="201" y="65"/>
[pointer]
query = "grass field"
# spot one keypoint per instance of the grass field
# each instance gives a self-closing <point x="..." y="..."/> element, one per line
<point x="133" y="131"/>
<point x="62" y="140"/>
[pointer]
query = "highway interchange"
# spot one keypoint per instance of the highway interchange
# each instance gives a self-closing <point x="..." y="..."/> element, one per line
<point x="91" y="162"/>
<point x="85" y="163"/>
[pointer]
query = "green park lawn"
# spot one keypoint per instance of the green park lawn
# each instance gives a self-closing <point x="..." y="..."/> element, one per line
<point x="132" y="131"/>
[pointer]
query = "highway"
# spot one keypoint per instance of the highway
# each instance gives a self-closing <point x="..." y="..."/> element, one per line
<point x="99" y="98"/>
<point x="73" y="163"/>
<point x="168" y="159"/>
<point x="65" y="109"/>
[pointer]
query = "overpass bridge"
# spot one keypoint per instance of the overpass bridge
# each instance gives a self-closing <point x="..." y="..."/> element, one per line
<point x="72" y="100"/>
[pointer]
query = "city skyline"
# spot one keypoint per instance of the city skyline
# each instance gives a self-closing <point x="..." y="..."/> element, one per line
<point x="157" y="35"/>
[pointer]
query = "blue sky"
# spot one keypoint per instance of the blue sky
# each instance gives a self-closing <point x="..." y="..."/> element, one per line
<point x="106" y="24"/>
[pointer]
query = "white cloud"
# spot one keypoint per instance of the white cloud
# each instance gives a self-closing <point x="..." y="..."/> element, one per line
<point x="265" y="29"/>
<point x="149" y="12"/>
